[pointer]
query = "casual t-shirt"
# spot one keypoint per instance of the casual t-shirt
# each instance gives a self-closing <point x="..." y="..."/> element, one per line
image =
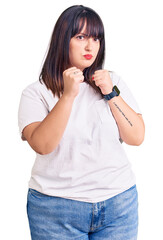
<point x="89" y="164"/>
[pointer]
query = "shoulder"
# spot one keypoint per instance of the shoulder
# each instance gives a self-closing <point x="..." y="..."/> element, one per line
<point x="37" y="92"/>
<point x="37" y="89"/>
<point x="33" y="88"/>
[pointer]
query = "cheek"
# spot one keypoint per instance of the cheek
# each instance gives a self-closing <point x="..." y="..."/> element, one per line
<point x="97" y="48"/>
<point x="73" y="50"/>
<point x="72" y="55"/>
<point x="96" y="53"/>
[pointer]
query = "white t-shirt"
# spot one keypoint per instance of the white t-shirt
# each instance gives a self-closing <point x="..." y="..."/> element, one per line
<point x="89" y="164"/>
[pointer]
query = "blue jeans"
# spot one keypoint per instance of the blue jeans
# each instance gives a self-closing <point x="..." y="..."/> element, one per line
<point x="55" y="218"/>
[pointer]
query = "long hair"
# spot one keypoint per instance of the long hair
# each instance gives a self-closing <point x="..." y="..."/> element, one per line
<point x="70" y="23"/>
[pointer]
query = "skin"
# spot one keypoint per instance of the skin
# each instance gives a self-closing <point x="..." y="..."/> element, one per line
<point x="131" y="125"/>
<point x="80" y="45"/>
<point x="44" y="136"/>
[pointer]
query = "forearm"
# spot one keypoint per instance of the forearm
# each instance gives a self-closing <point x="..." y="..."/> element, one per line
<point x="48" y="134"/>
<point x="130" y="124"/>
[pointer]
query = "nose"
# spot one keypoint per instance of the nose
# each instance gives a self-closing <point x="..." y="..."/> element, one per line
<point x="88" y="45"/>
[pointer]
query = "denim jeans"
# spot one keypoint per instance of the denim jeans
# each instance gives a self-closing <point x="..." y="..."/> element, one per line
<point x="55" y="218"/>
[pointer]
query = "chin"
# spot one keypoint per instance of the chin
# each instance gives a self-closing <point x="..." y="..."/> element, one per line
<point x="83" y="66"/>
<point x="87" y="65"/>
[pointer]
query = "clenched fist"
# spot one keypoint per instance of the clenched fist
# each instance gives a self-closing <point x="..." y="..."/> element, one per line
<point x="72" y="78"/>
<point x="103" y="81"/>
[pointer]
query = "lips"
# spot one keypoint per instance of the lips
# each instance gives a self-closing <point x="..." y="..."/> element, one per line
<point x="88" y="56"/>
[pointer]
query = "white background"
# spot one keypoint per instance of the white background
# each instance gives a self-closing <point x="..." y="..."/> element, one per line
<point x="134" y="50"/>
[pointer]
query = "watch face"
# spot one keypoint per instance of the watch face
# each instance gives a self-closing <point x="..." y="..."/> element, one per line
<point x="116" y="89"/>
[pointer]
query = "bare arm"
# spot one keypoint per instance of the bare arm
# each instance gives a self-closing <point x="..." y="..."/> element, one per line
<point x="44" y="136"/>
<point x="130" y="124"/>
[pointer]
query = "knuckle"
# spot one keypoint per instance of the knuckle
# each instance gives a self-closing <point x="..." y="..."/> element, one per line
<point x="72" y="75"/>
<point x="65" y="73"/>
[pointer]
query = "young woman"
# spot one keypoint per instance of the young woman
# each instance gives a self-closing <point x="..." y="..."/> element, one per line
<point x="75" y="117"/>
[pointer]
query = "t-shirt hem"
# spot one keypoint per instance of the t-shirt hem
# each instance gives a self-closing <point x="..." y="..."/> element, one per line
<point x="82" y="199"/>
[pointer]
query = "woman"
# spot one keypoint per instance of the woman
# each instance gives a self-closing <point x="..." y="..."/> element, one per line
<point x="75" y="118"/>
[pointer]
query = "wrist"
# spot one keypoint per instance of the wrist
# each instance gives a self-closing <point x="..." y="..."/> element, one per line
<point x="68" y="97"/>
<point x="114" y="93"/>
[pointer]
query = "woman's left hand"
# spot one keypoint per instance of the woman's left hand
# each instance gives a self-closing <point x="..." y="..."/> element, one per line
<point x="103" y="81"/>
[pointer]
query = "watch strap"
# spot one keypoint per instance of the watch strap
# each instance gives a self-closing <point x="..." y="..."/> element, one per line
<point x="110" y="95"/>
<point x="115" y="92"/>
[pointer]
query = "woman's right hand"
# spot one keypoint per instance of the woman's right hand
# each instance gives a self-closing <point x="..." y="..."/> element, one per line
<point x="72" y="78"/>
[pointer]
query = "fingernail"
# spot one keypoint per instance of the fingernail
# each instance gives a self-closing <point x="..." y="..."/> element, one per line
<point x="92" y="78"/>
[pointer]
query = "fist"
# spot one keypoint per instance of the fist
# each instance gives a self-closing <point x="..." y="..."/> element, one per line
<point x="103" y="81"/>
<point x="72" y="78"/>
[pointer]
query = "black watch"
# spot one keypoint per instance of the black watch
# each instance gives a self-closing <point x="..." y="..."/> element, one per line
<point x="115" y="92"/>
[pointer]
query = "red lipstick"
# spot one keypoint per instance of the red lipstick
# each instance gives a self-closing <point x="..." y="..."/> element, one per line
<point x="88" y="56"/>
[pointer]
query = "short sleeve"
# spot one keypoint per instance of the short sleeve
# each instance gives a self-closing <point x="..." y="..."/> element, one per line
<point x="31" y="108"/>
<point x="125" y="92"/>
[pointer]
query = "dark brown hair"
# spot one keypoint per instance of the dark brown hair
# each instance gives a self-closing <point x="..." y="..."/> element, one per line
<point x="70" y="23"/>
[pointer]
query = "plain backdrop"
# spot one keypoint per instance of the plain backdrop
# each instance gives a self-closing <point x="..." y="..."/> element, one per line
<point x="134" y="50"/>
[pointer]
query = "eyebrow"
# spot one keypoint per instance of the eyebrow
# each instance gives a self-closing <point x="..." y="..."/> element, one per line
<point x="83" y="34"/>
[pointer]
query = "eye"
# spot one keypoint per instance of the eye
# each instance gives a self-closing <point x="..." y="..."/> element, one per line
<point x="96" y="39"/>
<point x="80" y="37"/>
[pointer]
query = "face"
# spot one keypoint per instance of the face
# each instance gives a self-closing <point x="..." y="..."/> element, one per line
<point x="83" y="50"/>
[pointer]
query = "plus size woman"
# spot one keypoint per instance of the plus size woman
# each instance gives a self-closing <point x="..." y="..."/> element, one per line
<point x="76" y="117"/>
